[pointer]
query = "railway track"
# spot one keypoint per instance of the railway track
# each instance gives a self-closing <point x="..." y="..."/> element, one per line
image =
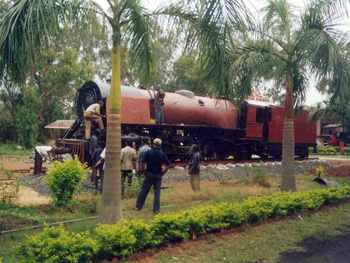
<point x="205" y="163"/>
<point x="227" y="161"/>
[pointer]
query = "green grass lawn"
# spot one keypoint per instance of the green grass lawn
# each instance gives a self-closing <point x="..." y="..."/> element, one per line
<point x="10" y="149"/>
<point x="264" y="243"/>
<point x="177" y="197"/>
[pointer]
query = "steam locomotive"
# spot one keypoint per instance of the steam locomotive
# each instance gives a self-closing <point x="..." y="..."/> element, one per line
<point x="214" y="124"/>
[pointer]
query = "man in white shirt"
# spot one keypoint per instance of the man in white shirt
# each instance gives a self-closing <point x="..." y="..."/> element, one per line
<point x="128" y="163"/>
<point x="92" y="113"/>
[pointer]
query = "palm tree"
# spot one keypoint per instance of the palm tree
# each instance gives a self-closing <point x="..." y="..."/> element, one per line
<point x="30" y="23"/>
<point x="303" y="45"/>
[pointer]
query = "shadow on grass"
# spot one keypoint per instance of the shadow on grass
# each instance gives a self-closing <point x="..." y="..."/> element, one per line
<point x="321" y="250"/>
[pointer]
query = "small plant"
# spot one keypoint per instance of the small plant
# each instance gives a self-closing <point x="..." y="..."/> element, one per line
<point x="9" y="186"/>
<point x="89" y="205"/>
<point x="259" y="176"/>
<point x="329" y="150"/>
<point x="63" y="179"/>
<point x="133" y="189"/>
<point x="319" y="172"/>
<point x="346" y="150"/>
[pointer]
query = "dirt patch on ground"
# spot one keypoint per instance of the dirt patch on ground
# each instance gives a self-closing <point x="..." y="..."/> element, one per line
<point x="340" y="171"/>
<point x="27" y="196"/>
<point x="15" y="162"/>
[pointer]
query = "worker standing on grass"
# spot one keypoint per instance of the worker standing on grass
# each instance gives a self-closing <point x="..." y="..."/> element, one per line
<point x="158" y="104"/>
<point x="128" y="163"/>
<point x="194" y="168"/>
<point x="92" y="113"/>
<point x="97" y="171"/>
<point x="144" y="148"/>
<point x="154" y="159"/>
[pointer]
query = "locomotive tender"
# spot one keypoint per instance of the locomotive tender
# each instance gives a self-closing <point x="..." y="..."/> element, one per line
<point x="214" y="124"/>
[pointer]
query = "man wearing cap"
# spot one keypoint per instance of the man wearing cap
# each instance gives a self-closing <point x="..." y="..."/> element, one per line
<point x="92" y="113"/>
<point x="154" y="159"/>
<point x="158" y="104"/>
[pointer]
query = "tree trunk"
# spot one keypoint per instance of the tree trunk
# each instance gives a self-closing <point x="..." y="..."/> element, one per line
<point x="288" y="165"/>
<point x="111" y="211"/>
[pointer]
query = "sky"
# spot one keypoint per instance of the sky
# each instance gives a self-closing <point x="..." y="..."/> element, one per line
<point x="312" y="96"/>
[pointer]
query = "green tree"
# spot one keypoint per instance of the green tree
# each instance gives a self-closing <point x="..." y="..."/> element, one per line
<point x="11" y="96"/>
<point x="58" y="75"/>
<point x="301" y="44"/>
<point x="188" y="74"/>
<point x="27" y="119"/>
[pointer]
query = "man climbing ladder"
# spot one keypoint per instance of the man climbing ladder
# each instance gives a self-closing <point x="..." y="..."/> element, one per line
<point x="92" y="113"/>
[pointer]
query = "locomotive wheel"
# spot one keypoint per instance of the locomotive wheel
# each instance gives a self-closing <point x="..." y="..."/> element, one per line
<point x="327" y="141"/>
<point x="207" y="148"/>
<point x="243" y="154"/>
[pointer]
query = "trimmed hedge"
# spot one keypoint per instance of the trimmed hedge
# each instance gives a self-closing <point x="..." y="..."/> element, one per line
<point x="346" y="150"/>
<point x="127" y="237"/>
<point x="326" y="150"/>
<point x="55" y="245"/>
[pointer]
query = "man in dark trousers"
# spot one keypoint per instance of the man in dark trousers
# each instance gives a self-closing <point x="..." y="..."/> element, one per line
<point x="158" y="104"/>
<point x="154" y="159"/>
<point x="194" y="168"/>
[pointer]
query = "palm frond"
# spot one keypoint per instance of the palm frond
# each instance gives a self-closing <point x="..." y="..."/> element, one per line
<point x="137" y="23"/>
<point x="300" y="85"/>
<point x="276" y="16"/>
<point x="211" y="26"/>
<point x="322" y="46"/>
<point x="26" y="27"/>
<point x="252" y="60"/>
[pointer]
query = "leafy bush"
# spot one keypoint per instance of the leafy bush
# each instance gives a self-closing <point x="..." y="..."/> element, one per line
<point x="142" y="232"/>
<point x="90" y="204"/>
<point x="133" y="189"/>
<point x="57" y="245"/>
<point x="346" y="150"/>
<point x="311" y="150"/>
<point x="125" y="238"/>
<point x="9" y="187"/>
<point x="116" y="240"/>
<point x="326" y="150"/>
<point x="63" y="179"/>
<point x="259" y="176"/>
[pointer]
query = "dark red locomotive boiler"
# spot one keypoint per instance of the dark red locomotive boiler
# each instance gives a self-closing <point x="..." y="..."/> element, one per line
<point x="214" y="124"/>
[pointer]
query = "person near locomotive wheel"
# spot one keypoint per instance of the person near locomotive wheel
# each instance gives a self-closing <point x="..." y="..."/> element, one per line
<point x="96" y="157"/>
<point x="94" y="141"/>
<point x="128" y="163"/>
<point x="194" y="168"/>
<point x="92" y="113"/>
<point x="154" y="159"/>
<point x="100" y="165"/>
<point x="144" y="148"/>
<point x="158" y="105"/>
